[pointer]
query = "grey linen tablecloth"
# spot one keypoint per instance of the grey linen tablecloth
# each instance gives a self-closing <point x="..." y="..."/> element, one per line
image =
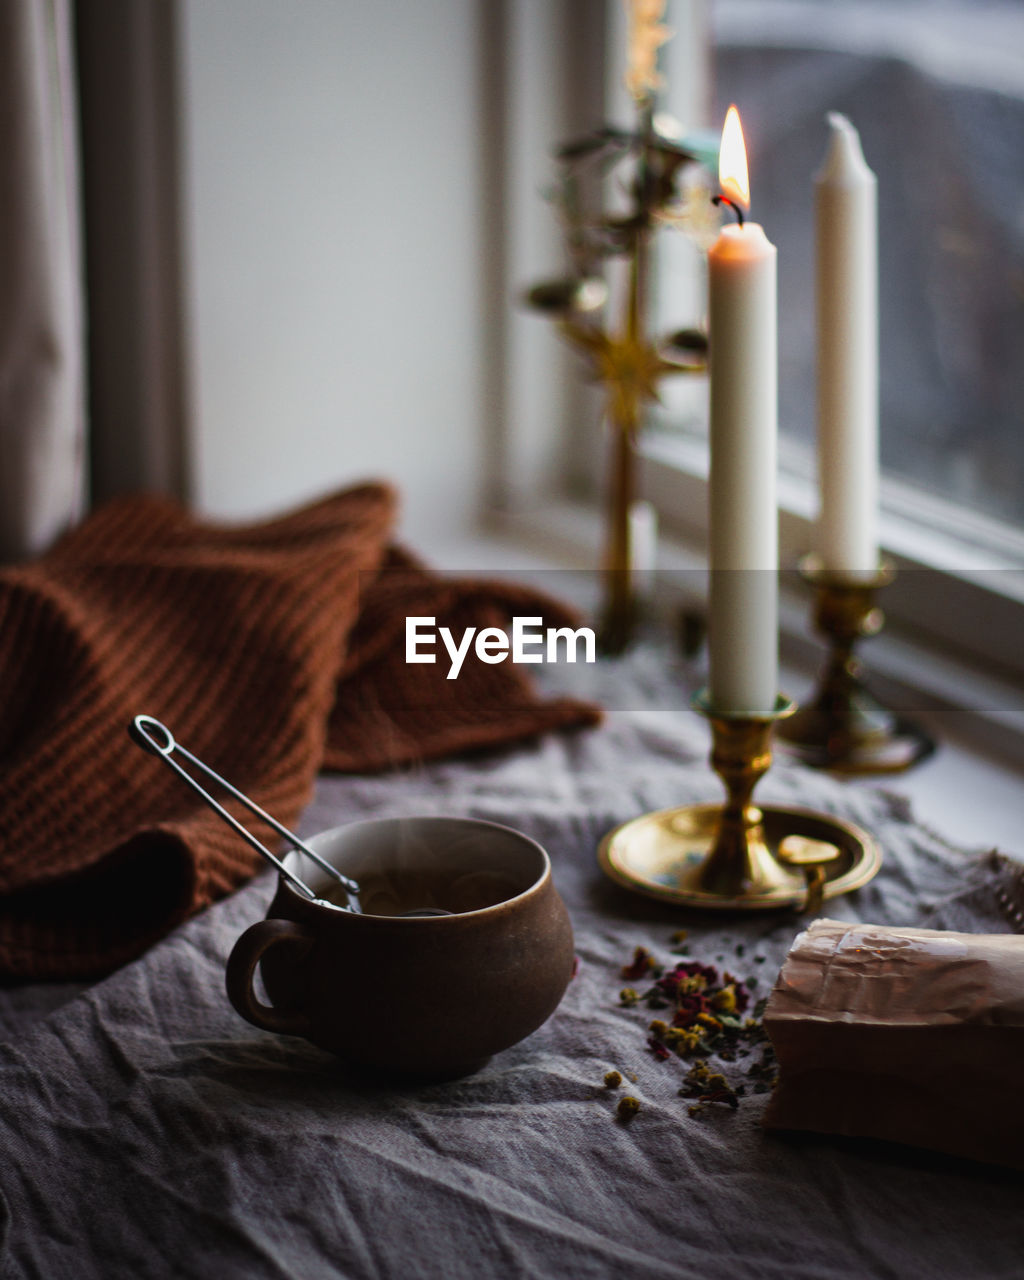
<point x="147" y="1131"/>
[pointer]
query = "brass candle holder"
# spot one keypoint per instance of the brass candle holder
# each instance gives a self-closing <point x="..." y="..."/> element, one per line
<point x="617" y="187"/>
<point x="845" y="727"/>
<point x="736" y="856"/>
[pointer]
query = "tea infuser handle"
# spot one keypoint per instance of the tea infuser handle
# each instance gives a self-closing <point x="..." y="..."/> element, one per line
<point x="245" y="955"/>
<point x="153" y="736"/>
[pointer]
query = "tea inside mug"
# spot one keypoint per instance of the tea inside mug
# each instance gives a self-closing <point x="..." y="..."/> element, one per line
<point x="400" y="893"/>
<point x="426" y="865"/>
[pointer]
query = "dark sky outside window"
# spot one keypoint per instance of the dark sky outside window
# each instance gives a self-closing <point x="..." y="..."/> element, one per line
<point x="932" y="89"/>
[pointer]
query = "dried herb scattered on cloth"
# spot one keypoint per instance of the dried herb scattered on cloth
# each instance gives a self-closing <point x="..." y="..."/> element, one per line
<point x="705" y="1015"/>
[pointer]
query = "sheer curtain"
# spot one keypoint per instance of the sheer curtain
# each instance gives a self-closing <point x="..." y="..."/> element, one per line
<point x="42" y="383"/>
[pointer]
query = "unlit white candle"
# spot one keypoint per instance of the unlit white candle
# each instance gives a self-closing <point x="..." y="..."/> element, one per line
<point x="847" y="316"/>
<point x="743" y="607"/>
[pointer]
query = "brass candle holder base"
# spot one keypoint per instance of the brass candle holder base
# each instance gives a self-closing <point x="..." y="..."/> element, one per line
<point x="736" y="856"/>
<point x="845" y="728"/>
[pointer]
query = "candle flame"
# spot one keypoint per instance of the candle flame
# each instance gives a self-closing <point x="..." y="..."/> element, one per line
<point x="732" y="161"/>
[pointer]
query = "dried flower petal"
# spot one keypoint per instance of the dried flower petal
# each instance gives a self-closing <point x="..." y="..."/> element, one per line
<point x="641" y="964"/>
<point x="690" y="1009"/>
<point x="658" y="1049"/>
<point x="724" y="1001"/>
<point x="705" y="1005"/>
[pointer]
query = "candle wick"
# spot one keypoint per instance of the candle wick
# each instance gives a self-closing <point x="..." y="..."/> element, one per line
<point x="737" y="209"/>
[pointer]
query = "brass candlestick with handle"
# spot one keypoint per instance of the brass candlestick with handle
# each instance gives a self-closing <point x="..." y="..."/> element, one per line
<point x="736" y="855"/>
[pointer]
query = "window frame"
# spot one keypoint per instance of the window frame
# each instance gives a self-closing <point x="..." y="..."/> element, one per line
<point x="969" y="598"/>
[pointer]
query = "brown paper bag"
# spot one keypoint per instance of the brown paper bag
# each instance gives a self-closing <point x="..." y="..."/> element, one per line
<point x="911" y="1035"/>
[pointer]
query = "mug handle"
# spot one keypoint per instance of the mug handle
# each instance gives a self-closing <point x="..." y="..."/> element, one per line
<point x="245" y="955"/>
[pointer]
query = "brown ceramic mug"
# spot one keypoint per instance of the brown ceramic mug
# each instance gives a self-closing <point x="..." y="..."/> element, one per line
<point x="424" y="995"/>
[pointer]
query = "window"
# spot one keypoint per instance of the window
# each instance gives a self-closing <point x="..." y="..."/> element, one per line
<point x="936" y="89"/>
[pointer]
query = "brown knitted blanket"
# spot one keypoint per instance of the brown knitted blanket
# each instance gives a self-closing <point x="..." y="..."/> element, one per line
<point x="270" y="651"/>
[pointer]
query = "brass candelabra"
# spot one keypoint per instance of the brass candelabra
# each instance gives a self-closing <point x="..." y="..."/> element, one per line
<point x="845" y="727"/>
<point x="622" y="356"/>
<point x="737" y="856"/>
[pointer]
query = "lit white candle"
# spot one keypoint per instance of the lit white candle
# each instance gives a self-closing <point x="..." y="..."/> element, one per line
<point x="743" y="606"/>
<point x="847" y="293"/>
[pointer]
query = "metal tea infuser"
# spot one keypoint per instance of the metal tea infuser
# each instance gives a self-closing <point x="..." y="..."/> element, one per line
<point x="153" y="736"/>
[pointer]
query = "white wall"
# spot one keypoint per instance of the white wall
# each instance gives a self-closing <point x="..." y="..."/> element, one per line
<point x="333" y="241"/>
